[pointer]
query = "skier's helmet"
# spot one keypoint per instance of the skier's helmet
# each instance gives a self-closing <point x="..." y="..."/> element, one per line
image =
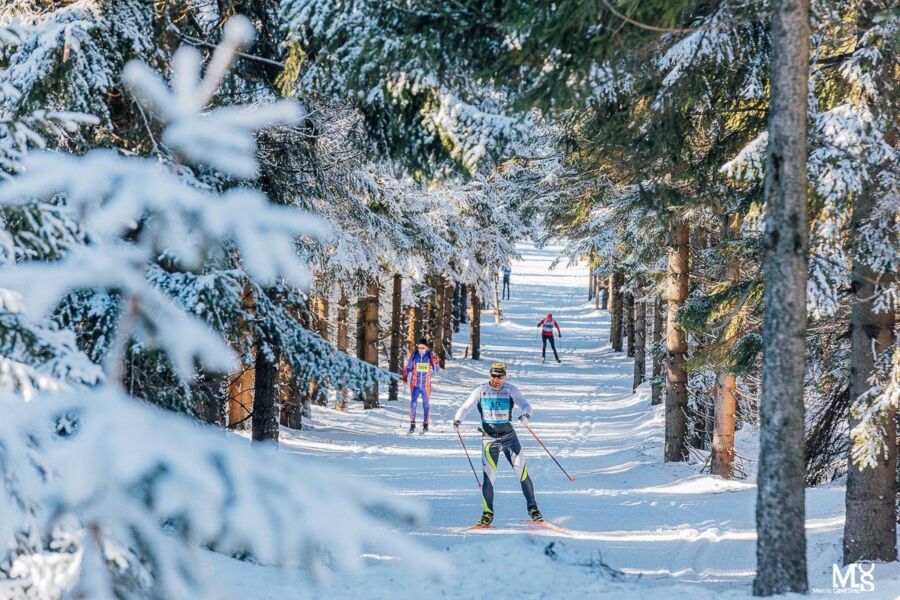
<point x="498" y="369"/>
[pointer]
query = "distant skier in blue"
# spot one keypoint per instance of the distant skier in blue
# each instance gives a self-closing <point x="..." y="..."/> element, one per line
<point x="506" y="272"/>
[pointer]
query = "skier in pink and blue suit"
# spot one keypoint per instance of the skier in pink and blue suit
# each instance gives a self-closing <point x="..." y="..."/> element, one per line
<point x="417" y="372"/>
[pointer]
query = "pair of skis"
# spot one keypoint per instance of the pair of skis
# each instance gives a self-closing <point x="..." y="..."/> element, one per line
<point x="544" y="524"/>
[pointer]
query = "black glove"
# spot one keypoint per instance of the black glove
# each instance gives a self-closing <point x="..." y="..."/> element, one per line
<point x="456" y="423"/>
<point x="525" y="418"/>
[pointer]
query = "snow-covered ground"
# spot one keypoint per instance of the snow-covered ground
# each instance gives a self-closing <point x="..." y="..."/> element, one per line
<point x="636" y="527"/>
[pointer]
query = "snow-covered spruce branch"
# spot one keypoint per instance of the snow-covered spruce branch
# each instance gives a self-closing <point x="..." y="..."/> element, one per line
<point x="872" y="408"/>
<point x="85" y="511"/>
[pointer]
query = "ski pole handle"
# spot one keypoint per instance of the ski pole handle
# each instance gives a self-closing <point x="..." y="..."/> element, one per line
<point x="572" y="479"/>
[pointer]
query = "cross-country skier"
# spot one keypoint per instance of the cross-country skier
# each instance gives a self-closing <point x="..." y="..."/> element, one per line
<point x="506" y="272"/>
<point x="417" y="373"/>
<point x="495" y="401"/>
<point x="546" y="326"/>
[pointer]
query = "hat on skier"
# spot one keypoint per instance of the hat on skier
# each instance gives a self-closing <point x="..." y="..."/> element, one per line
<point x="498" y="369"/>
<point x="423" y="342"/>
<point x="549" y="316"/>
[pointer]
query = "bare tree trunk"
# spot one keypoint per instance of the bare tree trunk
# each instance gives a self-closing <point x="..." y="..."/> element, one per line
<point x="289" y="396"/>
<point x="437" y="331"/>
<point x="615" y="310"/>
<point x="640" y="345"/>
<point x="321" y="312"/>
<point x="656" y="389"/>
<point x="361" y="328"/>
<point x="266" y="408"/>
<point x="603" y="292"/>
<point x="590" y="282"/>
<point x="371" y="340"/>
<point x="498" y="318"/>
<point x="394" y="356"/>
<point x="428" y="315"/>
<point x="722" y="455"/>
<point x="475" y="323"/>
<point x="780" y="510"/>
<point x="343" y="341"/>
<point x="447" y="329"/>
<point x="463" y="302"/>
<point x="628" y="312"/>
<point x="413" y="326"/>
<point x="870" y="529"/>
<point x="241" y="384"/>
<point x="676" y="346"/>
<point x="458" y="291"/>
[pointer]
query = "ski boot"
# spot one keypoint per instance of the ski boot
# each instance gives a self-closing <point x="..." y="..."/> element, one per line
<point x="543" y="360"/>
<point x="535" y="515"/>
<point x="424" y="427"/>
<point x="559" y="362"/>
<point x="486" y="519"/>
<point x="412" y="426"/>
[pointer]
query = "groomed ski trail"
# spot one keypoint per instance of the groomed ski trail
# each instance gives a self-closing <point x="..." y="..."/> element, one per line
<point x="656" y="525"/>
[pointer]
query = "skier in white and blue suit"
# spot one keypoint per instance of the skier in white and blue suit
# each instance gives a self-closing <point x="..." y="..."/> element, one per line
<point x="495" y="401"/>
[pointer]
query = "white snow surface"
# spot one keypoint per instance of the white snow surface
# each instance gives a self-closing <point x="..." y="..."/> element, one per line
<point x="635" y="527"/>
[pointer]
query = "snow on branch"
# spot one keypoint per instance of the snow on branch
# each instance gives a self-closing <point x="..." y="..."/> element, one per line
<point x="872" y="409"/>
<point x="171" y="488"/>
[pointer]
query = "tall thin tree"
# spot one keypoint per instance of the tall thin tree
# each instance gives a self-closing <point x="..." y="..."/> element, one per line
<point x="780" y="510"/>
<point x="676" y="344"/>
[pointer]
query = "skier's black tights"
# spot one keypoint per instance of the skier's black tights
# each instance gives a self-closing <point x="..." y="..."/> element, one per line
<point x="549" y="338"/>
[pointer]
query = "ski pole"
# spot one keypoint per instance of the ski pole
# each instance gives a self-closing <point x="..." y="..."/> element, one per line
<point x="467" y="456"/>
<point x="547" y="451"/>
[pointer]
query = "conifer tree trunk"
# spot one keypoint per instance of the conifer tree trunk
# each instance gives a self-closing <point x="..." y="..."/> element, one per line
<point x="676" y="449"/>
<point x="603" y="292"/>
<point x="628" y="314"/>
<point x="429" y="311"/>
<point x="361" y="328"/>
<point x="455" y="308"/>
<point x="394" y="355"/>
<point x="241" y="384"/>
<point x="413" y="326"/>
<point x="640" y="344"/>
<point x="615" y="310"/>
<point x="289" y="396"/>
<point x="321" y="312"/>
<point x="722" y="455"/>
<point x="656" y="389"/>
<point x="437" y="331"/>
<point x="447" y="343"/>
<point x="371" y="340"/>
<point x="475" y="323"/>
<point x="343" y="341"/>
<point x="463" y="302"/>
<point x="266" y="408"/>
<point x="780" y="510"/>
<point x="497" y="315"/>
<point x="870" y="529"/>
<point x="591" y="284"/>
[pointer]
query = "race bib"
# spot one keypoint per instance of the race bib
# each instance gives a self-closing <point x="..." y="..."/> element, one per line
<point x="421" y="367"/>
<point x="495" y="411"/>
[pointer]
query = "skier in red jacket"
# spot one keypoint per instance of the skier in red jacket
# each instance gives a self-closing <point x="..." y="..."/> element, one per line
<point x="546" y="326"/>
